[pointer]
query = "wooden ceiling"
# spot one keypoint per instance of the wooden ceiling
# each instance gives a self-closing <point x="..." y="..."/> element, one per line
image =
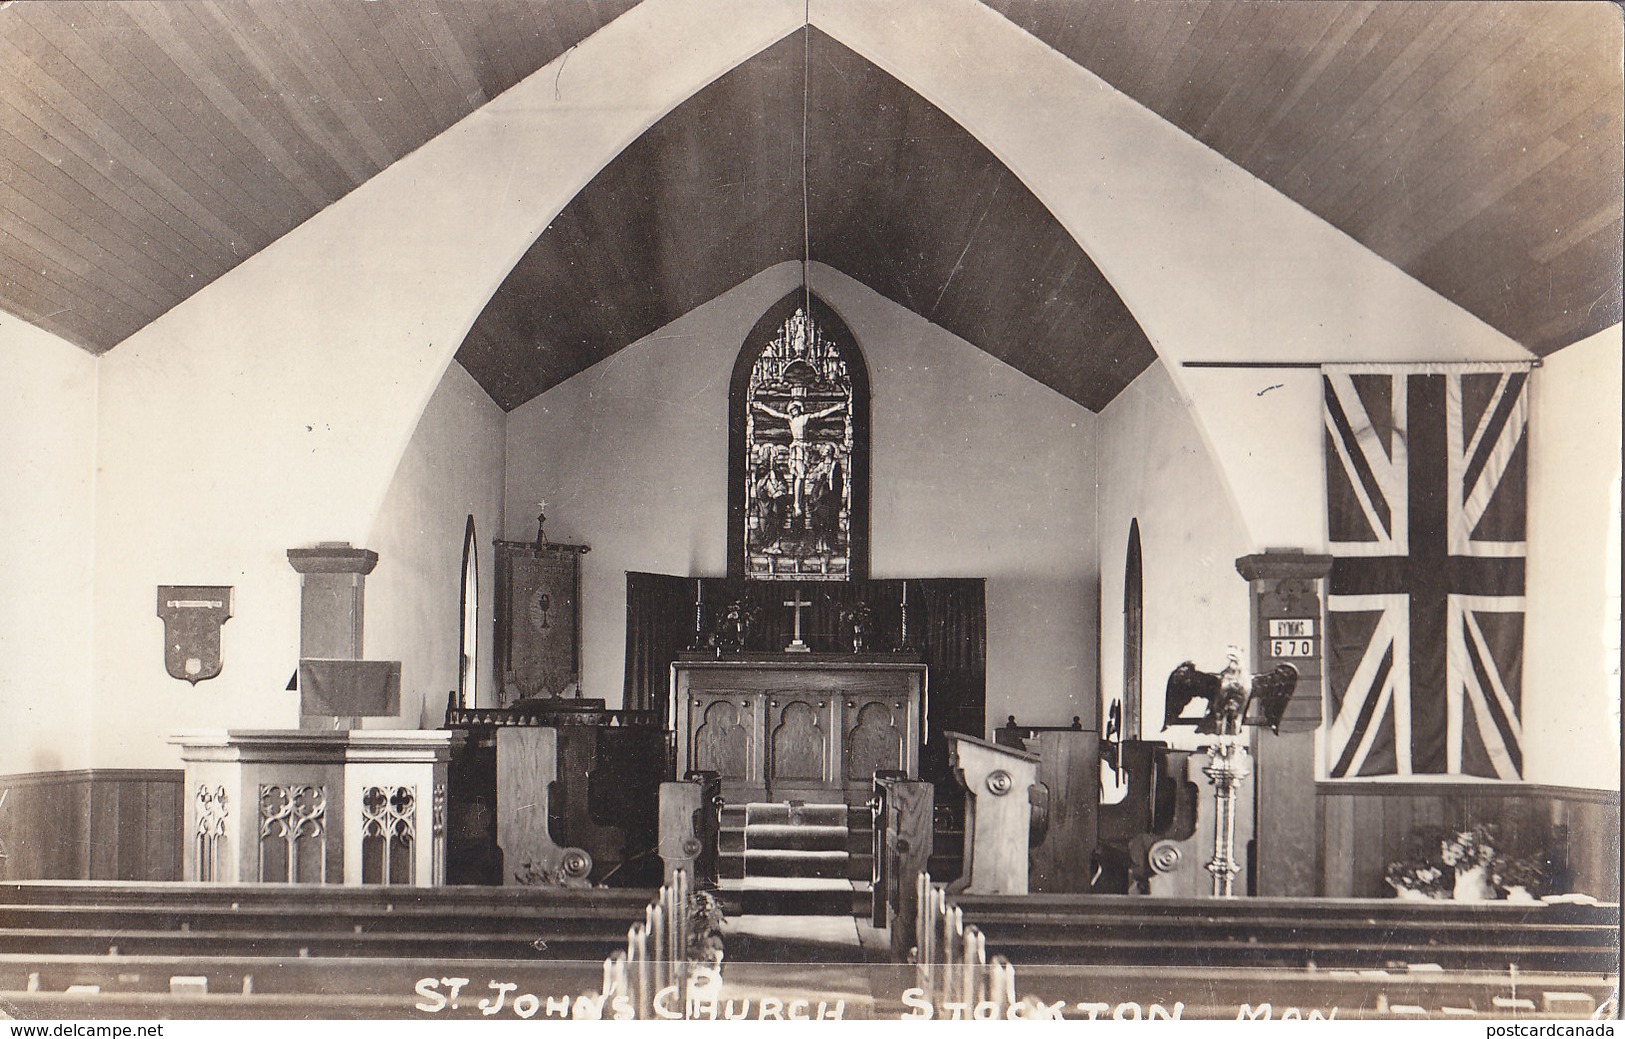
<point x="147" y="148"/>
<point x="900" y="197"/>
<point x="1475" y="145"/>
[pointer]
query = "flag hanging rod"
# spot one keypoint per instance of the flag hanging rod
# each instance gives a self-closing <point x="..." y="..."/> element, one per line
<point x="1533" y="363"/>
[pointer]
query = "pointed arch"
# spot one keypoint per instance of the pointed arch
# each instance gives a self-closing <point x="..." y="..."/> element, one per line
<point x="798" y="447"/>
<point x="1133" y="633"/>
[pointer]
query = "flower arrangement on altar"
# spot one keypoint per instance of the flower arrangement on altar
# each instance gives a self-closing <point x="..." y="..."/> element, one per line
<point x="857" y="617"/>
<point x="731" y="630"/>
<point x="1463" y="865"/>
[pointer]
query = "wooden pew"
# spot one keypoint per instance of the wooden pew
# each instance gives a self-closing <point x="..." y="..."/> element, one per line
<point x="553" y="792"/>
<point x="1000" y="786"/>
<point x="691" y="826"/>
<point x="175" y="919"/>
<point x="570" y="952"/>
<point x="1149" y="833"/>
<point x="347" y="987"/>
<point x="903" y="841"/>
<point x="1293" y="933"/>
<point x="1140" y="839"/>
<point x="1104" y="956"/>
<point x="1030" y="811"/>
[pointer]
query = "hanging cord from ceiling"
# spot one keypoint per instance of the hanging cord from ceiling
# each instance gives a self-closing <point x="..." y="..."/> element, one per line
<point x="806" y="231"/>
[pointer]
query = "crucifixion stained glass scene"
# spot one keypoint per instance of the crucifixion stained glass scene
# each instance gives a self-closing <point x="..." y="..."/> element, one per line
<point x="798" y="457"/>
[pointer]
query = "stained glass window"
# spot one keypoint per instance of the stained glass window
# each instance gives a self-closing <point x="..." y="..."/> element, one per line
<point x="800" y="410"/>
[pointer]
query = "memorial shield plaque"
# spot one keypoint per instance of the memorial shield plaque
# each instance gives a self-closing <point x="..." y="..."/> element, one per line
<point x="192" y="616"/>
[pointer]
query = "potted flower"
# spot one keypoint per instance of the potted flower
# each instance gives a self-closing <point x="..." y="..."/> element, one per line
<point x="1521" y="880"/>
<point x="1417" y="880"/>
<point x="732" y="629"/>
<point x="1470" y="853"/>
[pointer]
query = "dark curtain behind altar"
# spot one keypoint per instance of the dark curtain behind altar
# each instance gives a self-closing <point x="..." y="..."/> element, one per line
<point x="659" y="625"/>
<point x="947" y="629"/>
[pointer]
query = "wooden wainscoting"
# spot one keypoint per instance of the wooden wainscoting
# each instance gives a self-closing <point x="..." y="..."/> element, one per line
<point x="92" y="824"/>
<point x="1363" y="827"/>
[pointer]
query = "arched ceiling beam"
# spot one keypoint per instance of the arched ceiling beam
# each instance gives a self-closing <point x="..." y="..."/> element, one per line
<point x="899" y="196"/>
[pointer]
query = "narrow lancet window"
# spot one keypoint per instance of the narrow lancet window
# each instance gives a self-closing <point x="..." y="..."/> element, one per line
<point x="800" y="448"/>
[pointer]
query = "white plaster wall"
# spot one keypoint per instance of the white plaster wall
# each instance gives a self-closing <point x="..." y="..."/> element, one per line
<point x="631" y="458"/>
<point x="1215" y="264"/>
<point x="453" y="467"/>
<point x="979" y="471"/>
<point x="1156" y="466"/>
<point x="976" y="470"/>
<point x="1571" y="681"/>
<point x="271" y="409"/>
<point x="47" y="539"/>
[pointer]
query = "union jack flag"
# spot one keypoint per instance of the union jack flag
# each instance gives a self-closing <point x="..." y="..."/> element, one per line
<point x="1426" y="477"/>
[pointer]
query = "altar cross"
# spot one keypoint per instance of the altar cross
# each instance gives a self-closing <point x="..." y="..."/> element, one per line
<point x="796" y="603"/>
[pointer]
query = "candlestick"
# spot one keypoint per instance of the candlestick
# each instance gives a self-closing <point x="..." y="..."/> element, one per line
<point x="699" y="614"/>
<point x="902" y="638"/>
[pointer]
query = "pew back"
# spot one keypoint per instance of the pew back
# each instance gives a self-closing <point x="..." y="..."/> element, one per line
<point x="1129" y="958"/>
<point x="212" y="950"/>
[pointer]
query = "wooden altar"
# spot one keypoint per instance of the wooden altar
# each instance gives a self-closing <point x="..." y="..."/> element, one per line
<point x="810" y="727"/>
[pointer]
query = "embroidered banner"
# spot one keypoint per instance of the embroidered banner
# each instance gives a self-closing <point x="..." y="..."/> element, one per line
<point x="1426" y="493"/>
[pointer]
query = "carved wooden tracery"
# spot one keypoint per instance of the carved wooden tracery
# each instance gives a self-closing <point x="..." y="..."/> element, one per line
<point x="210" y="849"/>
<point x="293" y="833"/>
<point x="388" y="833"/>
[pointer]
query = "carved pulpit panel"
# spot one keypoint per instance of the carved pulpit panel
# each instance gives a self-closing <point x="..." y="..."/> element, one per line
<point x="800" y="742"/>
<point x="874" y="738"/>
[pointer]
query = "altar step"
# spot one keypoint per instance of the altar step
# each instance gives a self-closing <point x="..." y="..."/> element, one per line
<point x="794" y="858"/>
<point x="791" y="840"/>
<point x="824" y="841"/>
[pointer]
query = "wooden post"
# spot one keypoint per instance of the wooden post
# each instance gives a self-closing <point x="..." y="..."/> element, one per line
<point x="1069" y="768"/>
<point x="527" y="768"/>
<point x="1285" y="584"/>
<point x="903" y="846"/>
<point x="681" y="806"/>
<point x="999" y="782"/>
